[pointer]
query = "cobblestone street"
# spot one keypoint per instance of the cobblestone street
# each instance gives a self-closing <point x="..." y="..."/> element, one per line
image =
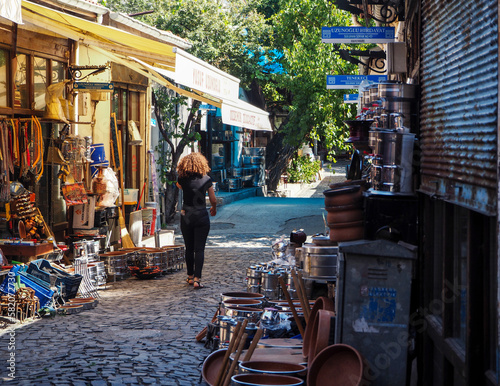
<point x="143" y="331"/>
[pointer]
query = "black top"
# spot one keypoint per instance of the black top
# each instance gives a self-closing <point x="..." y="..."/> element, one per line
<point x="194" y="189"/>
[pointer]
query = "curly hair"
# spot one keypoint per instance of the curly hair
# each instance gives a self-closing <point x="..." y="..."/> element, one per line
<point x="193" y="163"/>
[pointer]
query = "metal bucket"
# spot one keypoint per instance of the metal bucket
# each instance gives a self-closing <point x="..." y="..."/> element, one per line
<point x="97" y="273"/>
<point x="250" y="329"/>
<point x="320" y="262"/>
<point x="391" y="178"/>
<point x="240" y="295"/>
<point x="159" y="258"/>
<point x="391" y="147"/>
<point x="265" y="379"/>
<point x="93" y="247"/>
<point x="144" y="259"/>
<point x="242" y="303"/>
<point x="269" y="286"/>
<point x="80" y="249"/>
<point x="116" y="263"/>
<point x="251" y="313"/>
<point x="299" y="263"/>
<point x="267" y="367"/>
<point x="373" y="92"/>
<point x="225" y="324"/>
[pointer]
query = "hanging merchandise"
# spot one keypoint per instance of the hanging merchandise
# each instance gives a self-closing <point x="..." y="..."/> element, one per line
<point x="74" y="194"/>
<point x="134" y="137"/>
<point x="36" y="148"/>
<point x="5" y="165"/>
<point x="107" y="187"/>
<point x="54" y="110"/>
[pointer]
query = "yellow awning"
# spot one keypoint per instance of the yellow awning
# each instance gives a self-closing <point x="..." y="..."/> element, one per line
<point x="108" y="38"/>
<point x="149" y="72"/>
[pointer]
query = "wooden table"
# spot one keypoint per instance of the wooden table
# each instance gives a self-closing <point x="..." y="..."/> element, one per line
<point x="26" y="253"/>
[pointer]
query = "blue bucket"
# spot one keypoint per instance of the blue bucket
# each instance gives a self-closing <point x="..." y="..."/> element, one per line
<point x="97" y="153"/>
<point x="94" y="166"/>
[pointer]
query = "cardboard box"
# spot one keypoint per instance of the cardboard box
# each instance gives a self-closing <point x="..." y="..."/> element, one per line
<point x="83" y="214"/>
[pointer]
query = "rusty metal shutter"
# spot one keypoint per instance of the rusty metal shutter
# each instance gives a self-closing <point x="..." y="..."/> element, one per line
<point x="459" y="98"/>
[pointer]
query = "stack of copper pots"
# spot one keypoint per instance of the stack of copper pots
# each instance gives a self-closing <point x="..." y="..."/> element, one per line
<point x="344" y="206"/>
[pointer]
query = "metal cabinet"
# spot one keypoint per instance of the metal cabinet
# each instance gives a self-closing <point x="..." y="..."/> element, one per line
<point x="373" y="306"/>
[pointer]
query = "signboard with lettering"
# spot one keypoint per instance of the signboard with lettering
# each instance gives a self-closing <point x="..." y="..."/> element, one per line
<point x="243" y="114"/>
<point x="351" y="81"/>
<point x="351" y="98"/>
<point x="199" y="75"/>
<point x="357" y="34"/>
<point x="93" y="86"/>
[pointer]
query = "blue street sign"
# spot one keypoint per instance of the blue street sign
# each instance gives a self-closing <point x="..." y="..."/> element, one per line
<point x="93" y="86"/>
<point x="357" y="34"/>
<point x="351" y="81"/>
<point x="351" y="98"/>
<point x="206" y="106"/>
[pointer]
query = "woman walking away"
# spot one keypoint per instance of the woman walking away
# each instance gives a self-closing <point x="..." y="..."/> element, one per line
<point x="195" y="222"/>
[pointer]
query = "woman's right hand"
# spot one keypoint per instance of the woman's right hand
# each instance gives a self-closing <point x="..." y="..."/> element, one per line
<point x="213" y="210"/>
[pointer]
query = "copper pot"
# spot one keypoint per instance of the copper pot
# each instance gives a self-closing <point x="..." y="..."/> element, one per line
<point x="344" y="195"/>
<point x="341" y="216"/>
<point x="347" y="231"/>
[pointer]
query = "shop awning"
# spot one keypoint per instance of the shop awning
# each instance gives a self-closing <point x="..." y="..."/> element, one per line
<point x="243" y="114"/>
<point x="235" y="112"/>
<point x="150" y="72"/>
<point x="96" y="35"/>
<point x="151" y="58"/>
<point x="207" y="79"/>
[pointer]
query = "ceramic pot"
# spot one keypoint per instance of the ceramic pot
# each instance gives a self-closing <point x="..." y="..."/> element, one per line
<point x="212" y="365"/>
<point x="265" y="379"/>
<point x="298" y="237"/>
<point x="342" y="216"/>
<point x="323" y="323"/>
<point x="321" y="303"/>
<point x="336" y="365"/>
<point x="346" y="231"/>
<point x="344" y="195"/>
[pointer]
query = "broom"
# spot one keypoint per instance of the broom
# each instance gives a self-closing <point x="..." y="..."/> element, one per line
<point x="126" y="239"/>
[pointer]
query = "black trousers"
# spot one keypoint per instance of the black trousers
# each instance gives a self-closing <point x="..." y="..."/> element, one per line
<point x="195" y="225"/>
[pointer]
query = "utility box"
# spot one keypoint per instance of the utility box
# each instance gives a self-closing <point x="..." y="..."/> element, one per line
<point x="373" y="306"/>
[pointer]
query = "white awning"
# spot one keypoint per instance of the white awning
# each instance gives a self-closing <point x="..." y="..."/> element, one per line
<point x="207" y="79"/>
<point x="243" y="114"/>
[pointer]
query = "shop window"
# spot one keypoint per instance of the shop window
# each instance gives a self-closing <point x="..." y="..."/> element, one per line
<point x="4" y="59"/>
<point x="40" y="82"/>
<point x="32" y="76"/>
<point x="21" y="82"/>
<point x="127" y="101"/>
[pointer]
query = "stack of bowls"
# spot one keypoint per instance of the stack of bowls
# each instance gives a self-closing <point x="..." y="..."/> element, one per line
<point x="344" y="205"/>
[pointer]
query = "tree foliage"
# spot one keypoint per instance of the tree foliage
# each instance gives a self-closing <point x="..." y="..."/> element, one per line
<point x="314" y="111"/>
<point x="230" y="35"/>
<point x="177" y="133"/>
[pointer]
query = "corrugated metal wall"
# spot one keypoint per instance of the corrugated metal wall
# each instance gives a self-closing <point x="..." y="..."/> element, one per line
<point x="458" y="118"/>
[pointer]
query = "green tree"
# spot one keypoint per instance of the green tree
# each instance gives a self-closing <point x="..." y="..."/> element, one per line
<point x="313" y="111"/>
<point x="227" y="34"/>
<point x="166" y="108"/>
